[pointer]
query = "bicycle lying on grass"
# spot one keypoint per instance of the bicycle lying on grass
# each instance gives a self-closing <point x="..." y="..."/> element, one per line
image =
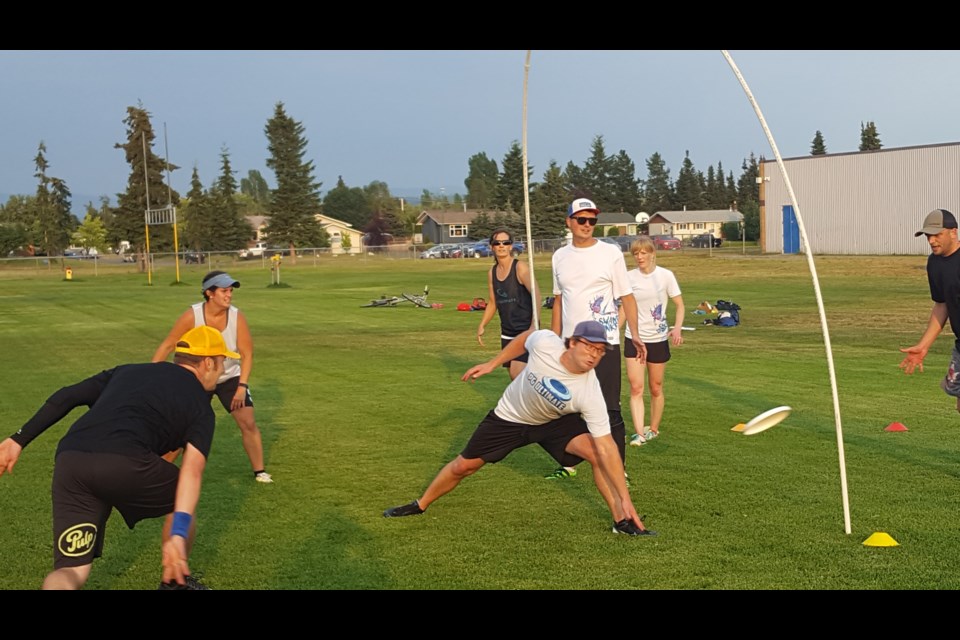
<point x="392" y="301"/>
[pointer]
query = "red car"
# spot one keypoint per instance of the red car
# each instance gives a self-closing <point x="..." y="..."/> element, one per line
<point x="666" y="243"/>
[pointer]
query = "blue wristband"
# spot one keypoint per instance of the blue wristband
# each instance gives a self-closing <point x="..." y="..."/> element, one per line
<point x="181" y="524"/>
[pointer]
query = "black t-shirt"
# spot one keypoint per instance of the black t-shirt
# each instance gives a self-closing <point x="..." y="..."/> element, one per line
<point x="943" y="274"/>
<point x="156" y="407"/>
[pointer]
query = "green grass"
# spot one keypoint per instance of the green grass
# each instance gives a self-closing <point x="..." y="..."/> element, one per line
<point x="360" y="407"/>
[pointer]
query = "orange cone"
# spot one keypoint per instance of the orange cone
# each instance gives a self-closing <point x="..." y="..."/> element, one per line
<point x="895" y="426"/>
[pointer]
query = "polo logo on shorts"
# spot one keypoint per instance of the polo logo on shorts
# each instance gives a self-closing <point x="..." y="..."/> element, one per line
<point x="77" y="540"/>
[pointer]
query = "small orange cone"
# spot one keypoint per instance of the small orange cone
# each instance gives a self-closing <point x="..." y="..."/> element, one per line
<point x="895" y="426"/>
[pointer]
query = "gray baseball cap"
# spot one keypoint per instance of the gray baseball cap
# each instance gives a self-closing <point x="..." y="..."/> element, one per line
<point x="936" y="221"/>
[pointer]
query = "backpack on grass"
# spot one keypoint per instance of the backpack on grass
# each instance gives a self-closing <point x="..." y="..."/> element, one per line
<point x="728" y="314"/>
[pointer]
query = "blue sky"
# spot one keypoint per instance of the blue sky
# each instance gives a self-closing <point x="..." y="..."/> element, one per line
<point x="412" y="119"/>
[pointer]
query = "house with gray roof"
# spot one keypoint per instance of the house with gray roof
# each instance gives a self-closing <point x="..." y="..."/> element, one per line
<point x="686" y="224"/>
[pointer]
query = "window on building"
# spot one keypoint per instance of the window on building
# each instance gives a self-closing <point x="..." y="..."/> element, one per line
<point x="458" y="231"/>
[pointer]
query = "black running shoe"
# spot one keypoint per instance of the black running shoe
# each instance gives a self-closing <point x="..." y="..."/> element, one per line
<point x="411" y="509"/>
<point x="626" y="526"/>
<point x="192" y="584"/>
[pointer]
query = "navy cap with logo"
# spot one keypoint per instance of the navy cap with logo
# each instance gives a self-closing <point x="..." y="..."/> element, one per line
<point x="936" y="221"/>
<point x="591" y="331"/>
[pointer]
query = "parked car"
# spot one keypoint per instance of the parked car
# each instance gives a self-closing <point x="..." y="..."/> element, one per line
<point x="480" y="249"/>
<point x="623" y="242"/>
<point x="518" y="248"/>
<point x="666" y="243"/>
<point x="705" y="240"/>
<point x="256" y="251"/>
<point x="437" y="251"/>
<point x="194" y="257"/>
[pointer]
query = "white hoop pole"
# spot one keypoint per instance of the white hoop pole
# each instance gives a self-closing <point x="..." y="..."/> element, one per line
<point x="816" y="288"/>
<point x="526" y="199"/>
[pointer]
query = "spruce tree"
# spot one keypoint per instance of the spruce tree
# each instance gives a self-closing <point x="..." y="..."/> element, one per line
<point x="295" y="202"/>
<point x="658" y="191"/>
<point x="229" y="229"/>
<point x="549" y="203"/>
<point x="818" y="147"/>
<point x="128" y="220"/>
<point x="481" y="182"/>
<point x="54" y="223"/>
<point x="509" y="192"/>
<point x="869" y="138"/>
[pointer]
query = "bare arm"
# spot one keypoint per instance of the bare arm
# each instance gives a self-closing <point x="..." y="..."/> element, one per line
<point x="176" y="548"/>
<point x="490" y="310"/>
<point x="183" y="324"/>
<point x="611" y="465"/>
<point x="677" y="332"/>
<point x="628" y="306"/>
<point x="556" y="318"/>
<point x="245" y="349"/>
<point x="514" y="349"/>
<point x="916" y="353"/>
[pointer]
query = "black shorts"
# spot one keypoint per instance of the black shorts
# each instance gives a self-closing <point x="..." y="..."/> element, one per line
<point x="503" y="343"/>
<point x="227" y="389"/>
<point x="494" y="438"/>
<point x="657" y="352"/>
<point x="86" y="486"/>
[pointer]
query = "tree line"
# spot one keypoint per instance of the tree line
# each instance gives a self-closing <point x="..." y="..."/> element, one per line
<point x="215" y="218"/>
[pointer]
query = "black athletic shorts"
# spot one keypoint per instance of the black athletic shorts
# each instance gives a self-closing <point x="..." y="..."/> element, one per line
<point x="494" y="438"/>
<point x="522" y="358"/>
<point x="657" y="352"/>
<point x="227" y="389"/>
<point x="86" y="486"/>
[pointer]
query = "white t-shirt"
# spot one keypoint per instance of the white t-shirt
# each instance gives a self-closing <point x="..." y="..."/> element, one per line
<point x="545" y="390"/>
<point x="590" y="279"/>
<point x="652" y="290"/>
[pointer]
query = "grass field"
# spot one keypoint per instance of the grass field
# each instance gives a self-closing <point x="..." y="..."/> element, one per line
<point x="360" y="407"/>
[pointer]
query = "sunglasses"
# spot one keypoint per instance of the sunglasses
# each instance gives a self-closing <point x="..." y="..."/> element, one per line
<point x="501" y="243"/>
<point x="584" y="220"/>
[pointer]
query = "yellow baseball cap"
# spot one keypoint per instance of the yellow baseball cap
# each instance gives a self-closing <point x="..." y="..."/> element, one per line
<point x="204" y="341"/>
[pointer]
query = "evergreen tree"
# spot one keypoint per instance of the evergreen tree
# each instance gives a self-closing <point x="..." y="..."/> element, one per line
<point x="576" y="182"/>
<point x="257" y="189"/>
<point x="295" y="202"/>
<point x="596" y="175"/>
<point x="818" y="147"/>
<point x="481" y="181"/>
<point x="549" y="203"/>
<point x="623" y="185"/>
<point x="509" y="193"/>
<point x="53" y="223"/>
<point x="869" y="138"/>
<point x="688" y="190"/>
<point x="128" y="219"/>
<point x="658" y="191"/>
<point x="229" y="229"/>
<point x="197" y="220"/>
<point x="748" y="197"/>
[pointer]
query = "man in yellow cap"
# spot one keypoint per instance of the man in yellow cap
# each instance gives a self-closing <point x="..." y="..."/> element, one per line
<point x="112" y="456"/>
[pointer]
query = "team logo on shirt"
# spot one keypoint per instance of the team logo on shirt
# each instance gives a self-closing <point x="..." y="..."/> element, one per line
<point x="553" y="391"/>
<point x="78" y="540"/>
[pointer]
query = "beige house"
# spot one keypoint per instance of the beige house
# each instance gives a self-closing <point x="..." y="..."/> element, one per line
<point x="336" y="229"/>
<point x="686" y="224"/>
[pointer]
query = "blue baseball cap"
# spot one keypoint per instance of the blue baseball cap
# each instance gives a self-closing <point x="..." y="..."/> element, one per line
<point x="591" y="331"/>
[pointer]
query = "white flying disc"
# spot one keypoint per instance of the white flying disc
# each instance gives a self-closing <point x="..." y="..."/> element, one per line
<point x="766" y="420"/>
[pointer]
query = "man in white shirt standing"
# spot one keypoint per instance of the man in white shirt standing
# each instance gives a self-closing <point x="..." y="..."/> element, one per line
<point x="589" y="277"/>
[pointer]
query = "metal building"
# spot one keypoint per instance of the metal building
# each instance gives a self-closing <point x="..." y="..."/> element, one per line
<point x="860" y="203"/>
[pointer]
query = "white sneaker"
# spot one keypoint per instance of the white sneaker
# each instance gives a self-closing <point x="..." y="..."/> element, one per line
<point x="637" y="440"/>
<point x="264" y="477"/>
<point x="650" y="434"/>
